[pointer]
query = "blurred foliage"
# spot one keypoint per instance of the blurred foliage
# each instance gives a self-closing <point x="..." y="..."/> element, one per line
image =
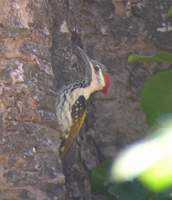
<point x="100" y="179"/>
<point x="152" y="158"/>
<point x="156" y="97"/>
<point x="101" y="184"/>
<point x="159" y="176"/>
<point x="169" y="14"/>
<point x="161" y="57"/>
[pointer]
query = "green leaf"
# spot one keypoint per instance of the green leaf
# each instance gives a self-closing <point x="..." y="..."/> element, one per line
<point x="169" y="13"/>
<point x="126" y="191"/>
<point x="156" y="97"/>
<point x="129" y="191"/>
<point x="159" y="176"/>
<point x="161" y="57"/>
<point x="100" y="178"/>
<point x="134" y="190"/>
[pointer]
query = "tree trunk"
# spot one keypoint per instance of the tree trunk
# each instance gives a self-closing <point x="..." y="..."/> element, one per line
<point x="30" y="167"/>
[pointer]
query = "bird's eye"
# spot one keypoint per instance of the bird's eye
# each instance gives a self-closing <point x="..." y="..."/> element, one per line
<point x="96" y="68"/>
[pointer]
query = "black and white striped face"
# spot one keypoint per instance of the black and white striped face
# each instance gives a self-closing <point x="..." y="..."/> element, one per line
<point x="99" y="75"/>
<point x="98" y="71"/>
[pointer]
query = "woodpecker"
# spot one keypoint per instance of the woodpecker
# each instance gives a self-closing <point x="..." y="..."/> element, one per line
<point x="72" y="105"/>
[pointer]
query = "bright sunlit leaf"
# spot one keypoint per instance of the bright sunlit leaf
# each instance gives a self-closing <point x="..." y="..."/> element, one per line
<point x="149" y="160"/>
<point x="159" y="176"/>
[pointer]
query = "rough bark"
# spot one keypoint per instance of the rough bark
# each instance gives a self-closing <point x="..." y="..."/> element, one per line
<point x="37" y="57"/>
<point x="30" y="167"/>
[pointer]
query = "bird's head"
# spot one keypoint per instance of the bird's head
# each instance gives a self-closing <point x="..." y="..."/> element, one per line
<point x="100" y="79"/>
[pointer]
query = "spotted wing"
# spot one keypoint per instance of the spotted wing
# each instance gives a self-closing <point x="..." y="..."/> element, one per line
<point x="78" y="117"/>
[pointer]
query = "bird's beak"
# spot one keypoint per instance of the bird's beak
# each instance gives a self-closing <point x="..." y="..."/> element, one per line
<point x="84" y="57"/>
